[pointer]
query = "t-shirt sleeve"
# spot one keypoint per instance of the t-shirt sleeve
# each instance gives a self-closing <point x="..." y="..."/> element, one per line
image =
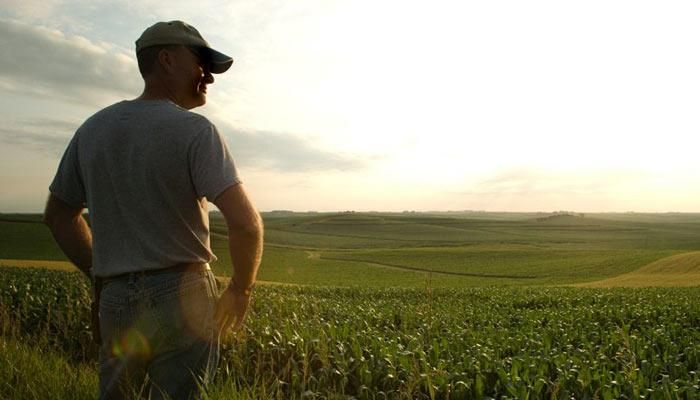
<point x="68" y="183"/>
<point x="211" y="164"/>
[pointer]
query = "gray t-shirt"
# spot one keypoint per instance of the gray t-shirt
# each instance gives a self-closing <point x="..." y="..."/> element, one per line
<point x="145" y="169"/>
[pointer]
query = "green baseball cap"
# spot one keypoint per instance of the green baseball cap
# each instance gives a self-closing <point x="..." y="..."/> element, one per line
<point x="178" y="32"/>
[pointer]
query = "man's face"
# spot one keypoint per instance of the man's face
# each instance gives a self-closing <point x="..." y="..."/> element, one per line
<point x="191" y="77"/>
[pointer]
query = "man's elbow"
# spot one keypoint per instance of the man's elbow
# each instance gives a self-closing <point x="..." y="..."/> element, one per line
<point x="58" y="213"/>
<point x="54" y="221"/>
<point x="255" y="226"/>
<point x="252" y="226"/>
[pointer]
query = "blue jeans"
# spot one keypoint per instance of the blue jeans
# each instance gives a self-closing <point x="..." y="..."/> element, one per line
<point x="158" y="335"/>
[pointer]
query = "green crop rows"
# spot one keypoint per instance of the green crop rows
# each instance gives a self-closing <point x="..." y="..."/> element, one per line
<point x="315" y="342"/>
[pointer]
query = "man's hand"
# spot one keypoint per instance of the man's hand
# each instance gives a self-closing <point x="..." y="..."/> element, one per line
<point x="245" y="242"/>
<point x="231" y="310"/>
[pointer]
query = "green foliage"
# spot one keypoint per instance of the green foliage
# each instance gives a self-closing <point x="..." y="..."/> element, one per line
<point x="312" y="342"/>
<point x="53" y="306"/>
<point x="32" y="372"/>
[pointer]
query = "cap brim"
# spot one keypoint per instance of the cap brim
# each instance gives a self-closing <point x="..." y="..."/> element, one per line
<point x="220" y="62"/>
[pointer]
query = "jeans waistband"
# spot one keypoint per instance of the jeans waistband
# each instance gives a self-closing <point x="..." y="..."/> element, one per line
<point x="177" y="268"/>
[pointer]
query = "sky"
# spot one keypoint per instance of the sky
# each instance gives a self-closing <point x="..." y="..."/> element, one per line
<point x="374" y="105"/>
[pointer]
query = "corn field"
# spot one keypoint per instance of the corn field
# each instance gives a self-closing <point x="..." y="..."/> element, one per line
<point x="396" y="343"/>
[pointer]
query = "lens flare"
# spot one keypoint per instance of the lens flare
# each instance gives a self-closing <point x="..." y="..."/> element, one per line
<point x="132" y="344"/>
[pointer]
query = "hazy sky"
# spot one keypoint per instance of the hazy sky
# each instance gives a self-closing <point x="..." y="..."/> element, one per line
<point x="388" y="105"/>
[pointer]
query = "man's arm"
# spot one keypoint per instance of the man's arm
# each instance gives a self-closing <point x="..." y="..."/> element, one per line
<point x="71" y="232"/>
<point x="245" y="241"/>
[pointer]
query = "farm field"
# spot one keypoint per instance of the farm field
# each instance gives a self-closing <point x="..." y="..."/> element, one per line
<point x="448" y="249"/>
<point x="408" y="305"/>
<point x="674" y="271"/>
<point x="463" y="343"/>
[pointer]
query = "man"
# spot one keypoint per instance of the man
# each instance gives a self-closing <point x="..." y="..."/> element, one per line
<point x="145" y="169"/>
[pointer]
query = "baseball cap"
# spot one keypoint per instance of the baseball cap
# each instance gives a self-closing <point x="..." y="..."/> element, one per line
<point x="178" y="32"/>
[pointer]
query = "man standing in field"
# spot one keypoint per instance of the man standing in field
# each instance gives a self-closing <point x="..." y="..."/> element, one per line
<point x="145" y="169"/>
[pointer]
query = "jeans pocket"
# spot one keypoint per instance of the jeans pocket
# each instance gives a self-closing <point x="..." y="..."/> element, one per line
<point x="187" y="315"/>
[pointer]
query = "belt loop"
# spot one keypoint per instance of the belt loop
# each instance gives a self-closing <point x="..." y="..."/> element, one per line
<point x="203" y="271"/>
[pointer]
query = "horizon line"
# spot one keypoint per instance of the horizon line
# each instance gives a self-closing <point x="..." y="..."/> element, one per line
<point x="562" y="212"/>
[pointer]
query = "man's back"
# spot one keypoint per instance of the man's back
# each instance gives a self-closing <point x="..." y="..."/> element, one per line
<point x="146" y="167"/>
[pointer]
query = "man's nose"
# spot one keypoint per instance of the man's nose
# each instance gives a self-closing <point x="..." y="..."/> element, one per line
<point x="208" y="78"/>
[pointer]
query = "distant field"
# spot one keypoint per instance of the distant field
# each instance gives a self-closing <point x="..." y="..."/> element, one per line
<point x="25" y="237"/>
<point x="437" y="249"/>
<point x="511" y="264"/>
<point x="678" y="270"/>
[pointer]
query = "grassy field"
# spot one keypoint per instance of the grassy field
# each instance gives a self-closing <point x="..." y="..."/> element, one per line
<point x="675" y="271"/>
<point x="406" y="306"/>
<point x="447" y="249"/>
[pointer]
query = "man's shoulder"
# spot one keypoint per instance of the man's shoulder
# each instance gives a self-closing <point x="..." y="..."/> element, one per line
<point x="169" y="113"/>
<point x="195" y="117"/>
<point x="106" y="111"/>
<point x="159" y="112"/>
<point x="105" y="114"/>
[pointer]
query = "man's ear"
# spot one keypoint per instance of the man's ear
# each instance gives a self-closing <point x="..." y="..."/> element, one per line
<point x="166" y="59"/>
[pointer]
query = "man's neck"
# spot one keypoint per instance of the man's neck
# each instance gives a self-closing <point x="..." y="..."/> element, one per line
<point x="157" y="91"/>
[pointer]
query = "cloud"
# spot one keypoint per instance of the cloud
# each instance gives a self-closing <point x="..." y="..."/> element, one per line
<point x="47" y="62"/>
<point x="31" y="9"/>
<point x="273" y="151"/>
<point x="49" y="136"/>
<point x="51" y="64"/>
<point x="286" y="153"/>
